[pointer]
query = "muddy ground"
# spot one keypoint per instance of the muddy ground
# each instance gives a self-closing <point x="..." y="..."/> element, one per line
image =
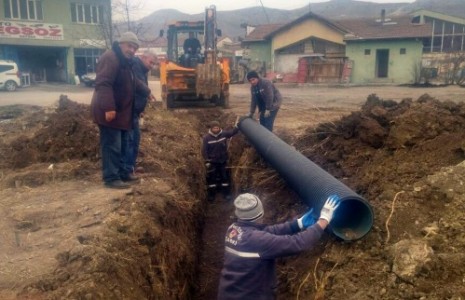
<point x="64" y="236"/>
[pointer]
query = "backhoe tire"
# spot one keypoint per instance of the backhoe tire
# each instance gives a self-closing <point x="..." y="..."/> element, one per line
<point x="223" y="101"/>
<point x="168" y="102"/>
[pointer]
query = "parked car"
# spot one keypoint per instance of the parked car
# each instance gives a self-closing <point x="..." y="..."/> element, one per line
<point x="89" y="79"/>
<point x="10" y="77"/>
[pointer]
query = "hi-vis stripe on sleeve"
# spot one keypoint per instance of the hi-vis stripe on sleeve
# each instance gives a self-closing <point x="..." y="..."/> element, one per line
<point x="242" y="254"/>
<point x="217" y="141"/>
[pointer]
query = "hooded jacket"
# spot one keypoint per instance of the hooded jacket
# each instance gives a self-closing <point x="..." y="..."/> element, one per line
<point x="265" y="95"/>
<point x="115" y="88"/>
<point x="249" y="270"/>
<point x="215" y="146"/>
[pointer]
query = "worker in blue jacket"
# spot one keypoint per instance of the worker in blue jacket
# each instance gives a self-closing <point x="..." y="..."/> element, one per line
<point x="249" y="270"/>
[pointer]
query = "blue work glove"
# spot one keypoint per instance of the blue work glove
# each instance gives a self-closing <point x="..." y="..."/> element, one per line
<point x="329" y="207"/>
<point x="306" y="220"/>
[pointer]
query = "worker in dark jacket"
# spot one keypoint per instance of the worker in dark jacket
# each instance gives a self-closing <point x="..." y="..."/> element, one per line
<point x="191" y="45"/>
<point x="266" y="97"/>
<point x="215" y="154"/>
<point x="141" y="67"/>
<point x="112" y="107"/>
<point x="251" y="247"/>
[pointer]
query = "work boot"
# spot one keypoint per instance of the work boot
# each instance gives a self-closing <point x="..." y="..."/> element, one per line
<point x="130" y="178"/>
<point x="117" y="184"/>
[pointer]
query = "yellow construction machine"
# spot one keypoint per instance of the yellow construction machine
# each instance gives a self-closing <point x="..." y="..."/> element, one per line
<point x="190" y="77"/>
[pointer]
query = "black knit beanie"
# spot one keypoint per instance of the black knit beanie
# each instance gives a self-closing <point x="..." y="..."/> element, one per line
<point x="252" y="74"/>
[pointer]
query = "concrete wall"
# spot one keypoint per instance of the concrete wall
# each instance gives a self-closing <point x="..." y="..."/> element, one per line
<point x="402" y="68"/>
<point x="445" y="66"/>
<point x="287" y="63"/>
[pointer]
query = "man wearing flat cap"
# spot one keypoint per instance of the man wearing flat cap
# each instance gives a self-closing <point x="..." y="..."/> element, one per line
<point x="112" y="108"/>
<point x="266" y="97"/>
<point x="249" y="270"/>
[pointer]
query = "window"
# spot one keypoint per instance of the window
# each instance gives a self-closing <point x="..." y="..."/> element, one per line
<point x="23" y="9"/>
<point x="367" y="51"/>
<point x="86" y="13"/>
<point x="4" y="68"/>
<point x="403" y="51"/>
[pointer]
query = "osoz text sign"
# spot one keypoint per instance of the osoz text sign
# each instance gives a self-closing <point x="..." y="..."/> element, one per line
<point x="28" y="30"/>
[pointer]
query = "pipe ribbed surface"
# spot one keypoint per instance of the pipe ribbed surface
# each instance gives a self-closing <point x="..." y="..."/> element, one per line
<point x="353" y="218"/>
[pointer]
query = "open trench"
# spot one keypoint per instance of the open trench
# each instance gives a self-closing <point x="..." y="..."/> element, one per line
<point x="249" y="173"/>
<point x="164" y="240"/>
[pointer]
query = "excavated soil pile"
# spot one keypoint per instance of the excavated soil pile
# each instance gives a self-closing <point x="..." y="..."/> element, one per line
<point x="407" y="159"/>
<point x="161" y="240"/>
<point x="65" y="236"/>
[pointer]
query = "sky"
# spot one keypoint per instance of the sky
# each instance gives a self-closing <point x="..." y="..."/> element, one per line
<point x="198" y="6"/>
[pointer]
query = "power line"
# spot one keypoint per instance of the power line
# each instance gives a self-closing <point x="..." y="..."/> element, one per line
<point x="264" y="10"/>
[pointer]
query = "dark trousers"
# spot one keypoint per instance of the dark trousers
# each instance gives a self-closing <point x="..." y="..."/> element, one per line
<point x="113" y="147"/>
<point x="133" y="146"/>
<point x="268" y="122"/>
<point x="218" y="179"/>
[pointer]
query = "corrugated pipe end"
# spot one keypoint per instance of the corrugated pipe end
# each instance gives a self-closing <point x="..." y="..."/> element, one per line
<point x="353" y="219"/>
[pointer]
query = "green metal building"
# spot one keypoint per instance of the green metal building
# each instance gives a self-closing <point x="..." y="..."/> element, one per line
<point x="385" y="50"/>
<point x="54" y="40"/>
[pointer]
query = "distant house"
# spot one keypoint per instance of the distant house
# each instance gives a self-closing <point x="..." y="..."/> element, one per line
<point x="159" y="45"/>
<point x="444" y="48"/>
<point x="223" y="40"/>
<point x="385" y="50"/>
<point x="257" y="46"/>
<point x="448" y="32"/>
<point x="308" y="49"/>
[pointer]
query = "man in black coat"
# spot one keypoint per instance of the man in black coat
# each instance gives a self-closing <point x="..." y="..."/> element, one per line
<point x="141" y="67"/>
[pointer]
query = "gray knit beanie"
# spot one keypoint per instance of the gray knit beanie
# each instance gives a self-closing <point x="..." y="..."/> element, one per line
<point x="129" y="37"/>
<point x="248" y="207"/>
<point x="214" y="124"/>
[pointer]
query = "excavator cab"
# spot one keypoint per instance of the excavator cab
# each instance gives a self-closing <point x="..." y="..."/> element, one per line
<point x="193" y="74"/>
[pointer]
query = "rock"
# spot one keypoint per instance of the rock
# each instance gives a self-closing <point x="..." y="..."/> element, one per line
<point x="409" y="257"/>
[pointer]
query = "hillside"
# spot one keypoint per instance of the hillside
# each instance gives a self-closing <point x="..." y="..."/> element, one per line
<point x="230" y="21"/>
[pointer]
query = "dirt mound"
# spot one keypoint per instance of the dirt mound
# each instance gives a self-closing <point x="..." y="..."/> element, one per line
<point x="71" y="238"/>
<point x="403" y="158"/>
<point x="66" y="134"/>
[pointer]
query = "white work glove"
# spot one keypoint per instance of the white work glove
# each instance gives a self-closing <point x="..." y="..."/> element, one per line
<point x="207" y="164"/>
<point x="330" y="206"/>
<point x="237" y="122"/>
<point x="267" y="114"/>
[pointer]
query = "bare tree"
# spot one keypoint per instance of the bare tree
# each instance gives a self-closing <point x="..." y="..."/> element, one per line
<point x="126" y="13"/>
<point x="456" y="65"/>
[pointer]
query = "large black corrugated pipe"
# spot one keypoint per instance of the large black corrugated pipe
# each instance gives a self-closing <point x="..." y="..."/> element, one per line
<point x="354" y="217"/>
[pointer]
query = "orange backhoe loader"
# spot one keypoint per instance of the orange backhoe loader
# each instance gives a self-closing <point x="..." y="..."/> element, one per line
<point x="194" y="77"/>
